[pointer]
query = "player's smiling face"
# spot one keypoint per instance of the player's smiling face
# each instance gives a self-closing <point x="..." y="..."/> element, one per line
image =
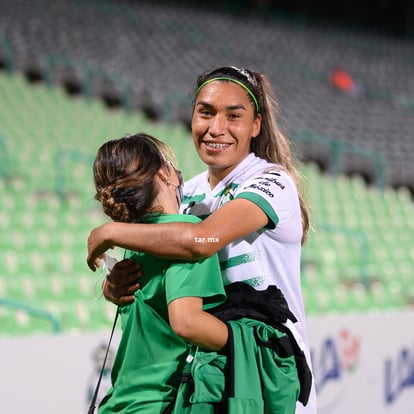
<point x="223" y="125"/>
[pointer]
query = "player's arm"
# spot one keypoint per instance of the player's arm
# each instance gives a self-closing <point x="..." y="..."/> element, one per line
<point x="189" y="241"/>
<point x="195" y="326"/>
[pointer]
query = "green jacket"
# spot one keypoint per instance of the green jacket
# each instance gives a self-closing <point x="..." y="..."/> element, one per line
<point x="254" y="378"/>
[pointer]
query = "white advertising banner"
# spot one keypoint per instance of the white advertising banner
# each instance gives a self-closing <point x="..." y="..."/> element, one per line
<point x="362" y="363"/>
<point x="51" y="374"/>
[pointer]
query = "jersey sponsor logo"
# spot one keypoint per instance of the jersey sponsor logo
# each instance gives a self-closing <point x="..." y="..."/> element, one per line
<point x="265" y="182"/>
<point x="275" y="181"/>
<point x="262" y="188"/>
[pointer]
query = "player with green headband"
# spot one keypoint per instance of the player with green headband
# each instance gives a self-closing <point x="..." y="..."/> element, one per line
<point x="255" y="217"/>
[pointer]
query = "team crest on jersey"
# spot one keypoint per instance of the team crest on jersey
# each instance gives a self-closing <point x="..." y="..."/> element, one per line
<point x="227" y="195"/>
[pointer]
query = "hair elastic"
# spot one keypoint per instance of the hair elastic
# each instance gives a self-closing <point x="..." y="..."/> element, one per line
<point x="235" y="81"/>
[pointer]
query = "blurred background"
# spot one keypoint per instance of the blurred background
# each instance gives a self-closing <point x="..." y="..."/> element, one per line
<point x="75" y="73"/>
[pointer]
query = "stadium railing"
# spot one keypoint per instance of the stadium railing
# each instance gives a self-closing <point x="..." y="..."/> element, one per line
<point x="38" y="312"/>
<point x="337" y="149"/>
<point x="7" y="55"/>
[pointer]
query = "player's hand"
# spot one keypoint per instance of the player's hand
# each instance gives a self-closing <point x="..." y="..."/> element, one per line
<point x="98" y="244"/>
<point x="122" y="282"/>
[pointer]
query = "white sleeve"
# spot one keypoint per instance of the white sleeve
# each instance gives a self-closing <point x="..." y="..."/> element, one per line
<point x="274" y="192"/>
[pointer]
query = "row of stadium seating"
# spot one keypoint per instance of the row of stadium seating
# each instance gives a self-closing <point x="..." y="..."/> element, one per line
<point x="358" y="256"/>
<point x="48" y="142"/>
<point x="150" y="52"/>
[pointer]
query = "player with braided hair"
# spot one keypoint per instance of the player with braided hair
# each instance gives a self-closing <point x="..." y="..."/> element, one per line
<point x="136" y="181"/>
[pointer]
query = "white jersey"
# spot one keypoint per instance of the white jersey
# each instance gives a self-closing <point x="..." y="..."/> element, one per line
<point x="269" y="256"/>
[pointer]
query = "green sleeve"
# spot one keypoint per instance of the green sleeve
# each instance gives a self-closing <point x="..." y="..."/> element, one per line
<point x="197" y="279"/>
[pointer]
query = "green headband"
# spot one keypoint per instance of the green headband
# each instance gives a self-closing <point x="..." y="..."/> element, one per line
<point x="235" y="81"/>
